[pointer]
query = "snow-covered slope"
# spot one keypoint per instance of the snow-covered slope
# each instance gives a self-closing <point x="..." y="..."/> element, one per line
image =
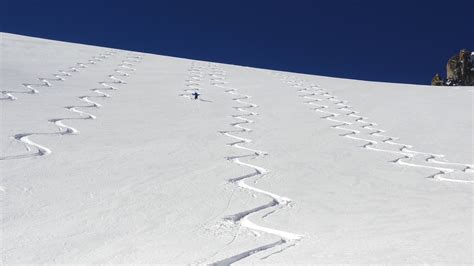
<point x="105" y="158"/>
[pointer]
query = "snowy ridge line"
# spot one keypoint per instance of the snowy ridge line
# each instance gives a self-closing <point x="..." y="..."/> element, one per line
<point x="287" y="239"/>
<point x="375" y="138"/>
<point x="64" y="129"/>
<point x="59" y="76"/>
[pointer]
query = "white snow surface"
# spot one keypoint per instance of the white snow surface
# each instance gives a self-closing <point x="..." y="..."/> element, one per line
<point x="105" y="158"/>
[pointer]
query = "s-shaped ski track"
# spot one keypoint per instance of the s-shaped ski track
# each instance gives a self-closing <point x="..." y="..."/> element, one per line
<point x="286" y="239"/>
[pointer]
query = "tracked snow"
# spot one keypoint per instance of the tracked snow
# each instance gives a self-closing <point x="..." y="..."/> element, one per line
<point x="106" y="158"/>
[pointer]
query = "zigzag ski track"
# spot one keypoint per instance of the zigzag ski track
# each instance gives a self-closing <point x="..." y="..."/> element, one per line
<point x="42" y="150"/>
<point x="363" y="130"/>
<point x="244" y="218"/>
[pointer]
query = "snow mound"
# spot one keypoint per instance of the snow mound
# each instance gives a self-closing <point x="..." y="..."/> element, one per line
<point x="107" y="158"/>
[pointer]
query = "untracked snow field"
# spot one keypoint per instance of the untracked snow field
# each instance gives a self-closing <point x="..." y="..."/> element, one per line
<point x="106" y="158"/>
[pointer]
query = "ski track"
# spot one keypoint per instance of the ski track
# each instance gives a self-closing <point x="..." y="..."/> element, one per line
<point x="242" y="218"/>
<point x="60" y="75"/>
<point x="365" y="131"/>
<point x="193" y="82"/>
<point x="59" y="122"/>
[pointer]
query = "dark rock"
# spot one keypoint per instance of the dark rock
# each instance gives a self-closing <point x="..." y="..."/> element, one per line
<point x="437" y="80"/>
<point x="459" y="69"/>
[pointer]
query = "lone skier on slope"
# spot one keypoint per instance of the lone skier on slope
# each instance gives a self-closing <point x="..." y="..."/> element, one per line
<point x="196" y="95"/>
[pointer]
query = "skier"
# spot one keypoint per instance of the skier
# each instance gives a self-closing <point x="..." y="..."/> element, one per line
<point x="196" y="95"/>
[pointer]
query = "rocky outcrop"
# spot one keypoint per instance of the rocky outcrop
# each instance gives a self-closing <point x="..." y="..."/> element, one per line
<point x="437" y="80"/>
<point x="459" y="69"/>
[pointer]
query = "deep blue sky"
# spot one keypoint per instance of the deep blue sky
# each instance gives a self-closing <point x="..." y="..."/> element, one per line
<point x="395" y="41"/>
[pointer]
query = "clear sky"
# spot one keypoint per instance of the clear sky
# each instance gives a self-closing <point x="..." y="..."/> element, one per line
<point x="394" y="41"/>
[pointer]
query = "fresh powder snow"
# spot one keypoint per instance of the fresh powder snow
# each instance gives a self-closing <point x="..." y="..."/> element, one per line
<point x="106" y="157"/>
